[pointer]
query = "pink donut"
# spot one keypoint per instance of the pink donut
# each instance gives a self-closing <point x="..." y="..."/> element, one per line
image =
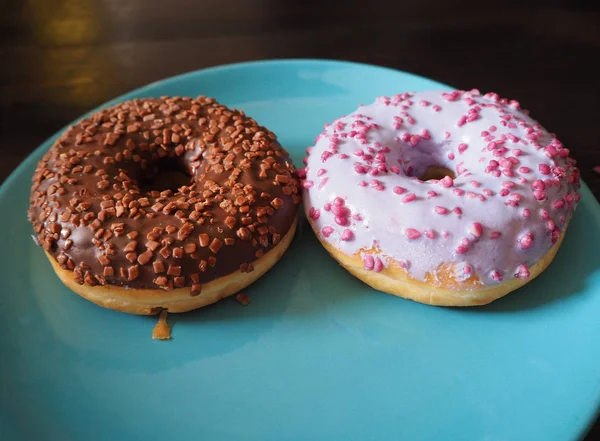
<point x="492" y="220"/>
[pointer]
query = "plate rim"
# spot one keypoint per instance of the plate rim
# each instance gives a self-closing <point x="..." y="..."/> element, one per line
<point x="594" y="208"/>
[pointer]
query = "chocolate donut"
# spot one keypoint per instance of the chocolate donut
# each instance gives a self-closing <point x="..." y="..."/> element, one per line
<point x="170" y="203"/>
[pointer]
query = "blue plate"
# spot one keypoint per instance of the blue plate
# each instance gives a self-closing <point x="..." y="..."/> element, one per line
<point x="317" y="355"/>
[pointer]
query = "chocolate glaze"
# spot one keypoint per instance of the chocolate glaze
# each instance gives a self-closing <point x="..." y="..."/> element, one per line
<point x="92" y="212"/>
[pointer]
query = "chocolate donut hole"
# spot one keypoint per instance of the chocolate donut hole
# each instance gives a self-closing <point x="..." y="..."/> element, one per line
<point x="166" y="174"/>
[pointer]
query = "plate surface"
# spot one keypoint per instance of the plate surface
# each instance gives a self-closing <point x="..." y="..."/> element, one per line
<point x="317" y="355"/>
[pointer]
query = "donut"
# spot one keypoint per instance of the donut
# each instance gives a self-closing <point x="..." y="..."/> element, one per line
<point x="446" y="198"/>
<point x="165" y="203"/>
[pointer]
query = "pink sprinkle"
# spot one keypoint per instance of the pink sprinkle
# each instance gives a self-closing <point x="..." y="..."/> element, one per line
<point x="409" y="198"/>
<point x="462" y="148"/>
<point x="414" y="140"/>
<point x="314" y="213"/>
<point x="302" y="173"/>
<point x="523" y="272"/>
<point x="526" y="212"/>
<point x="446" y="182"/>
<point x="504" y="192"/>
<point x="323" y="182"/>
<point x="343" y="156"/>
<point x="307" y="184"/>
<point x="495" y="235"/>
<point x="430" y="234"/>
<point x="412" y="234"/>
<point x="488" y="192"/>
<point x="451" y="156"/>
<point x="425" y="134"/>
<point x="458" y="192"/>
<point x="368" y="262"/>
<point x="475" y="184"/>
<point x="526" y="241"/>
<point x="347" y="235"/>
<point x="524" y="169"/>
<point x="431" y="194"/>
<point x="378" y="265"/>
<point x="341" y="221"/>
<point x="545" y="169"/>
<point x="538" y="184"/>
<point x="395" y="169"/>
<point x="441" y="210"/>
<point x="360" y="169"/>
<point x="358" y="152"/>
<point x="471" y="195"/>
<point x="447" y="135"/>
<point x="327" y="206"/>
<point x="476" y="229"/>
<point x="461" y="122"/>
<point x="423" y="103"/>
<point x="558" y="204"/>
<point x="517" y="152"/>
<point x="339" y="202"/>
<point x="379" y="188"/>
<point x="550" y="225"/>
<point x="363" y="184"/>
<point x="326" y="231"/>
<point x="341" y="211"/>
<point x="326" y="155"/>
<point x="399" y="190"/>
<point x="436" y="108"/>
<point x="374" y="172"/>
<point x="496" y="275"/>
<point x="539" y="195"/>
<point x="321" y="172"/>
<point x="446" y="234"/>
<point x="461" y="249"/>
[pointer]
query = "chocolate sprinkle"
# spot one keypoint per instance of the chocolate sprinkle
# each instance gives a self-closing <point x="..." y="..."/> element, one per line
<point x="92" y="211"/>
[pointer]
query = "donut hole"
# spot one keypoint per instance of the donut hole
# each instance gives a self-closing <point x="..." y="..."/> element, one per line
<point x="167" y="174"/>
<point x="437" y="172"/>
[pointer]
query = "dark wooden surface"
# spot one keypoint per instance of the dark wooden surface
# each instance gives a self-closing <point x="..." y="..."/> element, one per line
<point x="61" y="58"/>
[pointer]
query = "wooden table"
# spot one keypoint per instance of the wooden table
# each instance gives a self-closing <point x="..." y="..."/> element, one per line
<point x="61" y="58"/>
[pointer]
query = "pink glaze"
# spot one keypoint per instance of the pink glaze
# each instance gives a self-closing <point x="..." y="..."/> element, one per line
<point x="500" y="214"/>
